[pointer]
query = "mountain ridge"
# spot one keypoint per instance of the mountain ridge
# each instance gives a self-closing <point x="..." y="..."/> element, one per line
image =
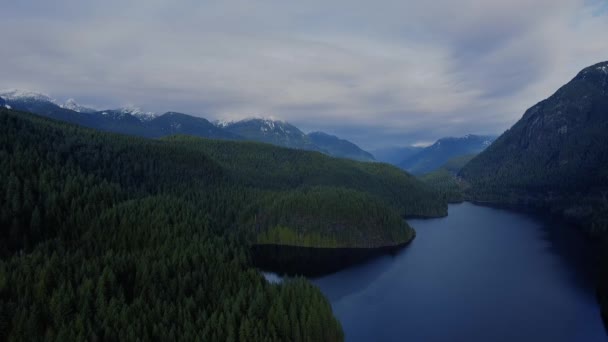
<point x="434" y="156"/>
<point x="135" y="121"/>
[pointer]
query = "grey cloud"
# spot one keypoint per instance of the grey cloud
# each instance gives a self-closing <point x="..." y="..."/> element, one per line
<point x="381" y="73"/>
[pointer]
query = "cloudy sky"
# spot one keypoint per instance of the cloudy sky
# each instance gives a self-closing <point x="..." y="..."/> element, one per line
<point x="378" y="73"/>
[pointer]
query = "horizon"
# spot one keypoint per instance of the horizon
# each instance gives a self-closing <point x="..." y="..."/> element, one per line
<point x="387" y="75"/>
<point x="219" y="122"/>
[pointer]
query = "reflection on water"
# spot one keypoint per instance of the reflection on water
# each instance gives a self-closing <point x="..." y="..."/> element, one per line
<point x="480" y="274"/>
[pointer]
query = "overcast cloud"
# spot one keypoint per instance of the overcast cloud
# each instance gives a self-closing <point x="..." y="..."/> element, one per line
<point x="376" y="72"/>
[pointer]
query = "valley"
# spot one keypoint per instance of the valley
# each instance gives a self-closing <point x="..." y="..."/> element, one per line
<point x="126" y="223"/>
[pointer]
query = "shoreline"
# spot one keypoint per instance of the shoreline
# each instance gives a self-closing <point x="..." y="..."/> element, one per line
<point x="315" y="261"/>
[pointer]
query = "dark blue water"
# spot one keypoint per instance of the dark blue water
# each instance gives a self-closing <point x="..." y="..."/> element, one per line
<point x="480" y="274"/>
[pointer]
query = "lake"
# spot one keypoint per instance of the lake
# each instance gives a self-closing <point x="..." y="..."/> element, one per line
<point x="480" y="274"/>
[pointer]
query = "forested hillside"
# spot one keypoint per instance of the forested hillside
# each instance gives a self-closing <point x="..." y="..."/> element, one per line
<point x="445" y="181"/>
<point x="268" y="167"/>
<point x="111" y="237"/>
<point x="556" y="158"/>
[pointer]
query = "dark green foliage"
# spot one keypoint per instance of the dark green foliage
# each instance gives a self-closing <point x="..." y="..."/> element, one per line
<point x="107" y="237"/>
<point x="151" y="269"/>
<point x="456" y="164"/>
<point x="329" y="217"/>
<point x="267" y="167"/>
<point x="446" y="184"/>
<point x="445" y="180"/>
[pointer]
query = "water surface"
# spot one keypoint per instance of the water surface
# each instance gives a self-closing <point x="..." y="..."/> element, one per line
<point x="480" y="274"/>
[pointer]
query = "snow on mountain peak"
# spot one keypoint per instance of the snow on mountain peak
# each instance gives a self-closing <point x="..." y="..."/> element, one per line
<point x="223" y="123"/>
<point x="19" y="94"/>
<point x="71" y="104"/>
<point x="138" y="113"/>
<point x="267" y="122"/>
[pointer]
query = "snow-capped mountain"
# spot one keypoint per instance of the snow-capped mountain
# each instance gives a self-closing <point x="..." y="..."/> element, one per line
<point x="29" y="101"/>
<point x="135" y="121"/>
<point x="139" y="113"/>
<point x="3" y="104"/>
<point x="129" y="112"/>
<point x="71" y="104"/>
<point x="270" y="131"/>
<point x="10" y="95"/>
<point x="282" y="133"/>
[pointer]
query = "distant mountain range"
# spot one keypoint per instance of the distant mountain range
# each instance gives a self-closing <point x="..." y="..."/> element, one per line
<point x="395" y="155"/>
<point x="339" y="147"/>
<point x="270" y="131"/>
<point x="436" y="155"/>
<point x="134" y="121"/>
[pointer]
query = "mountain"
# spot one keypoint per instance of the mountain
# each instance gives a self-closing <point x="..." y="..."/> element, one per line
<point x="42" y="104"/>
<point x="111" y="224"/>
<point x="337" y="147"/>
<point x="28" y="100"/>
<point x="275" y="132"/>
<point x="395" y="155"/>
<point x="177" y="123"/>
<point x="134" y="121"/>
<point x="71" y="104"/>
<point x="555" y="158"/>
<point x="129" y="120"/>
<point x="3" y="104"/>
<point x="281" y="133"/>
<point x="434" y="156"/>
<point x="556" y="155"/>
<point x="19" y="95"/>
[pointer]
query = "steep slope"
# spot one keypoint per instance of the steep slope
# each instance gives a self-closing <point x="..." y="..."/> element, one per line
<point x="339" y="147"/>
<point x="556" y="155"/>
<point x="432" y="157"/>
<point x="395" y="155"/>
<point x="270" y="131"/>
<point x="555" y="158"/>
